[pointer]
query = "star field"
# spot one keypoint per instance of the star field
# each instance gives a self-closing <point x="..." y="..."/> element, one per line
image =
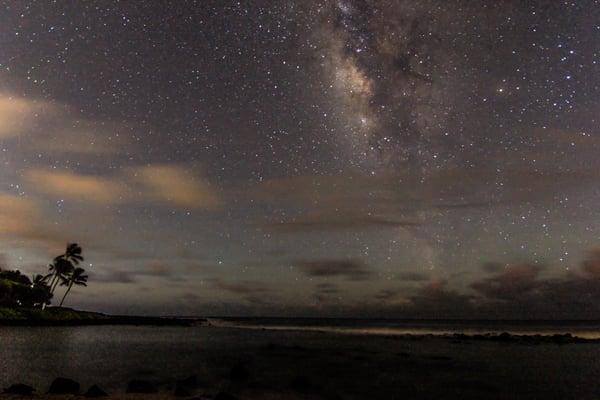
<point x="348" y="157"/>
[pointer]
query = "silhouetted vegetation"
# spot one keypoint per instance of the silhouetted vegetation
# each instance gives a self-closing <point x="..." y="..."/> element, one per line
<point x="17" y="290"/>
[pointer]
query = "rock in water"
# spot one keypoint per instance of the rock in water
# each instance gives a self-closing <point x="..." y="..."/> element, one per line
<point x="239" y="373"/>
<point x="301" y="384"/>
<point x="64" y="386"/>
<point x="140" y="386"/>
<point x="95" y="391"/>
<point x="20" y="389"/>
<point x="190" y="382"/>
<point x="180" y="391"/>
<point x="225" y="396"/>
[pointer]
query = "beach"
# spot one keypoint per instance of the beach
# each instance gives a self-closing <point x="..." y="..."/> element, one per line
<point x="208" y="361"/>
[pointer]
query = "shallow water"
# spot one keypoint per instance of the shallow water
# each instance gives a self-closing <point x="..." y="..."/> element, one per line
<point x="353" y="366"/>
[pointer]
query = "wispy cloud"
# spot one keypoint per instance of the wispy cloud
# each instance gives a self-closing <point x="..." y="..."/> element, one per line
<point x="21" y="219"/>
<point x="45" y="127"/>
<point x="353" y="270"/>
<point x="19" y="116"/>
<point x="399" y="200"/>
<point x="69" y="185"/>
<point x="17" y="214"/>
<point x="169" y="185"/>
<point x="176" y="185"/>
<point x="253" y="292"/>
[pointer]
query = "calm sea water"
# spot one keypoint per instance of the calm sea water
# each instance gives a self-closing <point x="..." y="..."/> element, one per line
<point x="112" y="355"/>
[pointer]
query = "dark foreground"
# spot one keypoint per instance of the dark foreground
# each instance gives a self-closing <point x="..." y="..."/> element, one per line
<point x="210" y="362"/>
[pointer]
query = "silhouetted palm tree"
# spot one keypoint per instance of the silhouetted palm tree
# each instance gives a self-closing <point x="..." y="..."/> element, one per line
<point x="73" y="253"/>
<point x="78" y="278"/>
<point x="61" y="269"/>
<point x="39" y="280"/>
<point x="64" y="264"/>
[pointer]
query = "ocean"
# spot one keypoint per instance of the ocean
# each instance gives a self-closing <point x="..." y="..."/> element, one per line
<point x="352" y="359"/>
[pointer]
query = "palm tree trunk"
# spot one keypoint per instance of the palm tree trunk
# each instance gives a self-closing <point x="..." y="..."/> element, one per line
<point x="55" y="285"/>
<point x="52" y="282"/>
<point x="66" y="293"/>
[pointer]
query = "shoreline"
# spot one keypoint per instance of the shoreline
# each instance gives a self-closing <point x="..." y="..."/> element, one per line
<point x="126" y="320"/>
<point x="117" y="320"/>
<point x="60" y="316"/>
<point x="557" y="338"/>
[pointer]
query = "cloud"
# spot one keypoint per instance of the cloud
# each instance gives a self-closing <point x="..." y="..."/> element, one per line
<point x="492" y="267"/>
<point x="69" y="185"/>
<point x="514" y="282"/>
<point x="388" y="295"/>
<point x="149" y="269"/>
<point x="112" y="276"/>
<point x="327" y="288"/>
<point x="325" y="291"/>
<point x="514" y="292"/>
<point x="252" y="292"/>
<point x="399" y="200"/>
<point x="80" y="137"/>
<point x="160" y="184"/>
<point x="436" y="300"/>
<point x="350" y="269"/>
<point x="320" y="222"/>
<point x="51" y="128"/>
<point x="17" y="214"/>
<point x="331" y="203"/>
<point x="591" y="266"/>
<point x="153" y="269"/>
<point x="19" y="115"/>
<point x="413" y="276"/>
<point x="176" y="185"/>
<point x="21" y="219"/>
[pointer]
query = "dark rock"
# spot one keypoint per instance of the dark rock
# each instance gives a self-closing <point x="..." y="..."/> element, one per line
<point x="301" y="384"/>
<point x="271" y="346"/>
<point x="20" y="389"/>
<point x="560" y="339"/>
<point x="189" y="382"/>
<point x="180" y="391"/>
<point x="477" y="386"/>
<point x="225" y="396"/>
<point x="141" y="386"/>
<point x="440" y="358"/>
<point x="64" y="386"/>
<point x="95" y="391"/>
<point x="239" y="373"/>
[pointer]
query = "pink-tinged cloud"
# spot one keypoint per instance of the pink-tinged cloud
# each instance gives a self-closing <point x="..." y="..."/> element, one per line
<point x="167" y="185"/>
<point x="176" y="185"/>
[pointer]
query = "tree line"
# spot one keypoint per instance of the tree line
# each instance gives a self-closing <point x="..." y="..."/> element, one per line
<point x="18" y="290"/>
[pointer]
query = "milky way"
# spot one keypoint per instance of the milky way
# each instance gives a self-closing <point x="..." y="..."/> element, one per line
<point x="349" y="157"/>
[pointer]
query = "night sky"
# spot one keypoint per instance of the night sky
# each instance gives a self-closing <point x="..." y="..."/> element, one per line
<point x="395" y="158"/>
